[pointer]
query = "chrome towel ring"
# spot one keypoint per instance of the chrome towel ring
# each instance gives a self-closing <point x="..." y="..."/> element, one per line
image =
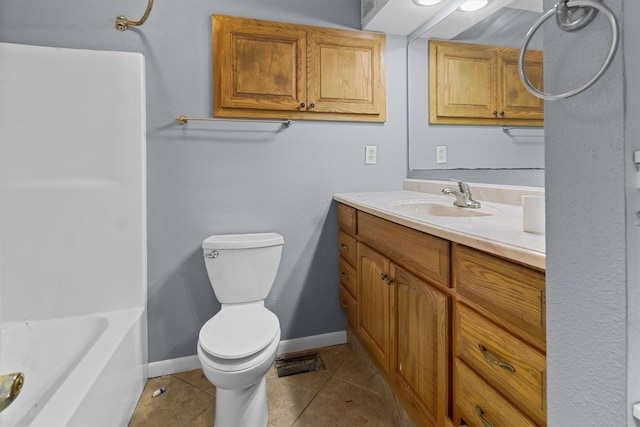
<point x="568" y="22"/>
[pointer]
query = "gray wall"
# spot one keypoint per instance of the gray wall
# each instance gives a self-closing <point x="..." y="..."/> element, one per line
<point x="230" y="177"/>
<point x="592" y="237"/>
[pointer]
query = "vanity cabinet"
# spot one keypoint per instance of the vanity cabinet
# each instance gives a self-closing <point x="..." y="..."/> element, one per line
<point x="404" y="311"/>
<point x="265" y="69"/>
<point x="347" y="260"/>
<point x="499" y="345"/>
<point x="480" y="84"/>
<point x="457" y="333"/>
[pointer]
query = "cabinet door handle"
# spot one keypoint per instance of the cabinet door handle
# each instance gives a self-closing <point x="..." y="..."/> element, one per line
<point x="302" y="105"/>
<point x="345" y="276"/>
<point x="495" y="113"/>
<point x="344" y="305"/>
<point x="383" y="276"/>
<point x="344" y="247"/>
<point x="312" y="105"/>
<point x="501" y="113"/>
<point x="480" y="412"/>
<point x="489" y="358"/>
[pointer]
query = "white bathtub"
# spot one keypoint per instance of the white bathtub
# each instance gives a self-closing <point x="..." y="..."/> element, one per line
<point x="79" y="371"/>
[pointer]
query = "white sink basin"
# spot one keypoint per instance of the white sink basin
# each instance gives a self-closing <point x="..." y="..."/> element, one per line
<point x="436" y="208"/>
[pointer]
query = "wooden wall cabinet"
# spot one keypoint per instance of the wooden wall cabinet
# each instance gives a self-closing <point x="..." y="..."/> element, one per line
<point x="480" y="84"/>
<point x="265" y="69"/>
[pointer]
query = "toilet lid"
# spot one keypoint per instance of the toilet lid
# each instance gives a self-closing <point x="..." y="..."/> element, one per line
<point x="239" y="331"/>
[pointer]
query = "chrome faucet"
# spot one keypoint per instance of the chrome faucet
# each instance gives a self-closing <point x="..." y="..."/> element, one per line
<point x="462" y="194"/>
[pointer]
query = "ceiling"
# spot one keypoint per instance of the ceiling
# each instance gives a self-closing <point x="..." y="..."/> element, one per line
<point x="403" y="17"/>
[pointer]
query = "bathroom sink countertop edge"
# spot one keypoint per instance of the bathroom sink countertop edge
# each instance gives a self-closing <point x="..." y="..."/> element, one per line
<point x="495" y="228"/>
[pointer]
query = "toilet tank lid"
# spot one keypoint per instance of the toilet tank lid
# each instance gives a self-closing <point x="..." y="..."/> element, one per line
<point x="242" y="241"/>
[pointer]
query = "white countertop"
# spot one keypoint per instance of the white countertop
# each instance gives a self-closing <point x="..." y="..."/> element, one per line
<point x="498" y="232"/>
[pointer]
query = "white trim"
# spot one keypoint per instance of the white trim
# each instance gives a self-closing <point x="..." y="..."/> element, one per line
<point x="188" y="363"/>
<point x="173" y="366"/>
<point x="314" y="341"/>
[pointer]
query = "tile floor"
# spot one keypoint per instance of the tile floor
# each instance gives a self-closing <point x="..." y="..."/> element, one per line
<point x="340" y="395"/>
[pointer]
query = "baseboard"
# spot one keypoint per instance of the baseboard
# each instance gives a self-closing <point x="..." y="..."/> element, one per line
<point x="173" y="366"/>
<point x="314" y="341"/>
<point x="189" y="363"/>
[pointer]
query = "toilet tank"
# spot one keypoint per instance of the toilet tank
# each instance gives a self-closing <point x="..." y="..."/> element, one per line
<point x="242" y="267"/>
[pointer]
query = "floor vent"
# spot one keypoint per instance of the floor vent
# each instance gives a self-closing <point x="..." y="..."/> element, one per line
<point x="298" y="363"/>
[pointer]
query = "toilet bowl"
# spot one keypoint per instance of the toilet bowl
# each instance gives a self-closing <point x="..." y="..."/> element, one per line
<point x="238" y="345"/>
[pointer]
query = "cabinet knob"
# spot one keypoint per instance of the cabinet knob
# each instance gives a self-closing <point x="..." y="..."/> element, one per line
<point x="302" y="105"/>
<point x="344" y="305"/>
<point x="345" y="276"/>
<point x="501" y="113"/>
<point x="344" y="247"/>
<point x="383" y="276"/>
<point x="495" y="113"/>
<point x="312" y="105"/>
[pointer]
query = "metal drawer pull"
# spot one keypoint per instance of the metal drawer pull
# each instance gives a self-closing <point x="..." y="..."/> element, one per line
<point x="485" y="423"/>
<point x="495" y="361"/>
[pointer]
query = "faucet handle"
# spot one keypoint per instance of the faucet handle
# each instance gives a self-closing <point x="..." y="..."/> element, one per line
<point x="464" y="187"/>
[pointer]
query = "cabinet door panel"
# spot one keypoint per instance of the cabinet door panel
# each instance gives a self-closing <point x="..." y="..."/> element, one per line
<point x="345" y="73"/>
<point x="465" y="81"/>
<point x="374" y="304"/>
<point x="515" y="100"/>
<point x="259" y="65"/>
<point x="421" y="344"/>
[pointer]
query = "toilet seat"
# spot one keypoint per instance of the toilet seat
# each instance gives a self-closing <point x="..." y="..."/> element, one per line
<point x="239" y="331"/>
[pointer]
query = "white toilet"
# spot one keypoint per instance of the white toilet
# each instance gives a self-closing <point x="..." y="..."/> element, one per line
<point x="238" y="345"/>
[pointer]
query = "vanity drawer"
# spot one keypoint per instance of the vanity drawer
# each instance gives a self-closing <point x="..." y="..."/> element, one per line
<point x="348" y="276"/>
<point x="347" y="247"/>
<point x="480" y="405"/>
<point x="507" y="363"/>
<point x="513" y="293"/>
<point x="347" y="218"/>
<point x="348" y="304"/>
<point x="425" y="255"/>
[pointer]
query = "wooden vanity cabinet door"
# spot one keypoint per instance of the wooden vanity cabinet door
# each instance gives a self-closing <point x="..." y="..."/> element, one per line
<point x="374" y="304"/>
<point x="420" y="341"/>
<point x="347" y="247"/>
<point x="511" y="366"/>
<point x="511" y="294"/>
<point x="480" y="405"/>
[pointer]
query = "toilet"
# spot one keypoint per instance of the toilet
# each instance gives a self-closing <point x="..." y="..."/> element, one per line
<point x="238" y="345"/>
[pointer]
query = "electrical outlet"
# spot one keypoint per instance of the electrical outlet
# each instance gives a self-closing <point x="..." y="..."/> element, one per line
<point x="371" y="155"/>
<point x="441" y="154"/>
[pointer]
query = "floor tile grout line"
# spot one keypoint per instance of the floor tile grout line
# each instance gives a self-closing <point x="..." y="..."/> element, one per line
<point x="193" y="385"/>
<point x="328" y="378"/>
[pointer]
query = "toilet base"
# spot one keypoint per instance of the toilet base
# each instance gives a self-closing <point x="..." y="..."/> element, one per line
<point x="242" y="407"/>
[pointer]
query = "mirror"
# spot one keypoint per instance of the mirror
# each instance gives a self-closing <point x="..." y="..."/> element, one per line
<point x="501" y="23"/>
